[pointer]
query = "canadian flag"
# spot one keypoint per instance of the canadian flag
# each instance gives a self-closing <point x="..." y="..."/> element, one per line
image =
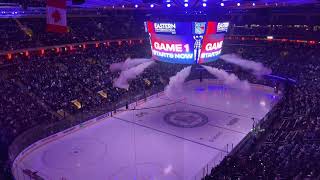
<point x="57" y="16"/>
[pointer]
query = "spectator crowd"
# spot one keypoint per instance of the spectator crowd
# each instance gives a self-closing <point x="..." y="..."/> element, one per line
<point x="23" y="33"/>
<point x="289" y="146"/>
<point x="40" y="90"/>
<point x="300" y="32"/>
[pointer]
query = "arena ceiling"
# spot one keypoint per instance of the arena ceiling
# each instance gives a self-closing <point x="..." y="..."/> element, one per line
<point x="193" y="3"/>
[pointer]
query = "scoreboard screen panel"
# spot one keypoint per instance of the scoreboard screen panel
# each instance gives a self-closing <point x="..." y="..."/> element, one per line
<point x="186" y="42"/>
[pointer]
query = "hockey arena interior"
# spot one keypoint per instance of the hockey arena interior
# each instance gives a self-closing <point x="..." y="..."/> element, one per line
<point x="159" y="89"/>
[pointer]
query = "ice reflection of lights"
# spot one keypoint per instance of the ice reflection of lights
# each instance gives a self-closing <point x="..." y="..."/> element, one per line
<point x="263" y="103"/>
<point x="167" y="170"/>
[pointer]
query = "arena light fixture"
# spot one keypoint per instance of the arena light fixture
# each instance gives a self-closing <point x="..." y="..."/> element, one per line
<point x="269" y="37"/>
<point x="168" y="5"/>
<point x="253" y="4"/>
<point x="222" y="4"/>
<point x="238" y="4"/>
<point x="186" y="4"/>
<point x="151" y="5"/>
<point x="204" y="4"/>
<point x="136" y="6"/>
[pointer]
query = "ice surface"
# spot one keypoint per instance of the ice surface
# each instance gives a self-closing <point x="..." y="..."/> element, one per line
<point x="173" y="141"/>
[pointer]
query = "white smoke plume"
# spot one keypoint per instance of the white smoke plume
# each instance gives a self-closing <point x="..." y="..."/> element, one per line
<point x="129" y="74"/>
<point x="229" y="79"/>
<point x="116" y="66"/>
<point x="176" y="82"/>
<point x="127" y="64"/>
<point x="257" y="68"/>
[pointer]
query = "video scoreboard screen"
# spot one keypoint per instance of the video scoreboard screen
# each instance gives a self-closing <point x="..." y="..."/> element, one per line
<point x="186" y="42"/>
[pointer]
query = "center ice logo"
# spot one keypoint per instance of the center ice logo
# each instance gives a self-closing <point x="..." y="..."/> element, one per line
<point x="199" y="27"/>
<point x="186" y="119"/>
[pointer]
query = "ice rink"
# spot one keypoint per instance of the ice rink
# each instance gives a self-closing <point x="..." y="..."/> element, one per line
<point x="164" y="139"/>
